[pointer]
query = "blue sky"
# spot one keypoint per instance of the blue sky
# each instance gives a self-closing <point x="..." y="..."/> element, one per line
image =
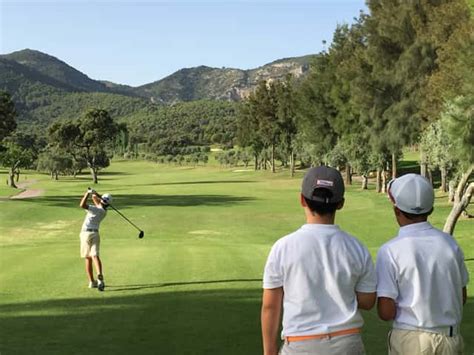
<point x="137" y="42"/>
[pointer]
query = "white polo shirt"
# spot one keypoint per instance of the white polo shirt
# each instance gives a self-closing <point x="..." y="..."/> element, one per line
<point x="94" y="216"/>
<point x="320" y="267"/>
<point x="423" y="270"/>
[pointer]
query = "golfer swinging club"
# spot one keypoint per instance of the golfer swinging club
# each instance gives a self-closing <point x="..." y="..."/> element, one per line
<point x="90" y="238"/>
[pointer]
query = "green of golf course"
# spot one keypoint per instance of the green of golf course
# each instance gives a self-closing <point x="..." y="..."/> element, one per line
<point x="192" y="285"/>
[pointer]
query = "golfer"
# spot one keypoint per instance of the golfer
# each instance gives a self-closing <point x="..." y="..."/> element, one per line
<point x="318" y="277"/>
<point x="421" y="276"/>
<point x="90" y="238"/>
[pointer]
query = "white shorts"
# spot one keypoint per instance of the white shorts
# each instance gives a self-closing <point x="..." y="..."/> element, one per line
<point x="90" y="244"/>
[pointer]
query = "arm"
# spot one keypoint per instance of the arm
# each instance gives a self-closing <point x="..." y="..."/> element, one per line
<point x="83" y="203"/>
<point x="96" y="199"/>
<point x="386" y="308"/>
<point x="366" y="300"/>
<point x="270" y="317"/>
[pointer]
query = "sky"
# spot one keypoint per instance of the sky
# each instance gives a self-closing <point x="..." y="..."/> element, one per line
<point x="138" y="42"/>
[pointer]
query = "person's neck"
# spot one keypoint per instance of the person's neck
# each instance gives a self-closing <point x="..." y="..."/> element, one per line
<point x="407" y="222"/>
<point x="314" y="218"/>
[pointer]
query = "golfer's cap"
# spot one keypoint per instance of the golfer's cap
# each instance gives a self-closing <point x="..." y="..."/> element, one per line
<point x="411" y="193"/>
<point x="323" y="177"/>
<point x="107" y="198"/>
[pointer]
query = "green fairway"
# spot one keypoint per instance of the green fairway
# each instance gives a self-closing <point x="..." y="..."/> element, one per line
<point x="192" y="285"/>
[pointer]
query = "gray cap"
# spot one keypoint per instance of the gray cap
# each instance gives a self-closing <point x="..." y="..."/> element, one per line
<point x="323" y="177"/>
<point x="411" y="193"/>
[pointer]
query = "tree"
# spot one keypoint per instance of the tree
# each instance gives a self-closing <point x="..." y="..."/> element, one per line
<point x="88" y="138"/>
<point x="248" y="128"/>
<point x="7" y="115"/>
<point x="436" y="144"/>
<point x="286" y="118"/>
<point x="459" y="118"/>
<point x="20" y="152"/>
<point x="55" y="162"/>
<point x="316" y="110"/>
<point x="404" y="42"/>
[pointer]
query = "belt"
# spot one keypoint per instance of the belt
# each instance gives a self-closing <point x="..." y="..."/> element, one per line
<point x="450" y="331"/>
<point x="291" y="339"/>
<point x="91" y="230"/>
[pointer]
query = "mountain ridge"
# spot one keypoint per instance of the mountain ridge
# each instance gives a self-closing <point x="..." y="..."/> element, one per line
<point x="45" y="88"/>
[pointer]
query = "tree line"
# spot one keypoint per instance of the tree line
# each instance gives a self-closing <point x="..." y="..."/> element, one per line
<point x="399" y="76"/>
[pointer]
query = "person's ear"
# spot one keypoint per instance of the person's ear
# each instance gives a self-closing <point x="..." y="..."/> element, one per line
<point x="303" y="201"/>
<point x="396" y="211"/>
<point x="341" y="204"/>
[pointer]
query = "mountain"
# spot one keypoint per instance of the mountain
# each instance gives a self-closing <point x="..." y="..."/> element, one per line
<point x="45" y="88"/>
<point x="220" y="83"/>
<point x="56" y="69"/>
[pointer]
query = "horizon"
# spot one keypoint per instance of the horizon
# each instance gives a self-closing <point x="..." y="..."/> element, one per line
<point x="138" y="43"/>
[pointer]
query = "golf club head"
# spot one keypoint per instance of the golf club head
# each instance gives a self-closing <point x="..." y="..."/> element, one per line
<point x="141" y="234"/>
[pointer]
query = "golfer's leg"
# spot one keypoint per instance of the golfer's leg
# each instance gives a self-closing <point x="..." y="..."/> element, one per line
<point x="97" y="264"/>
<point x="89" y="273"/>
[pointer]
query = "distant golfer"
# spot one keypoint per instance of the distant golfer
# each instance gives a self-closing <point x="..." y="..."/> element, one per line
<point x="90" y="238"/>
<point x="421" y="276"/>
<point x="318" y="277"/>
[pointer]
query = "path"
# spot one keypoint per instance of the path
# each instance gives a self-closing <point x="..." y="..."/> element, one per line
<point x="28" y="193"/>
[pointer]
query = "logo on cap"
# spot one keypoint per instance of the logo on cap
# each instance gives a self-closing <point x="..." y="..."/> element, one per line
<point x="324" y="183"/>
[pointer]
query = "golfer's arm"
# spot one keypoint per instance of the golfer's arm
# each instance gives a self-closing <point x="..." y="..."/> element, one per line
<point x="270" y="317"/>
<point x="386" y="308"/>
<point x="366" y="300"/>
<point x="96" y="199"/>
<point x="83" y="203"/>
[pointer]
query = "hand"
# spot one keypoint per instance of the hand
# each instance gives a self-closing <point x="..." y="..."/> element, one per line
<point x="91" y="191"/>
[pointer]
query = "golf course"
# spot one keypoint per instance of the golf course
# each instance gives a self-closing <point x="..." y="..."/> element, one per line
<point x="192" y="285"/>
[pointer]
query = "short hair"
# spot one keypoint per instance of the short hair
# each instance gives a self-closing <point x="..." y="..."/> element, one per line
<point x="414" y="217"/>
<point x="322" y="208"/>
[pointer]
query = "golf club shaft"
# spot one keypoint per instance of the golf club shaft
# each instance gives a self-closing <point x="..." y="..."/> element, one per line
<point x="116" y="210"/>
<point x="129" y="221"/>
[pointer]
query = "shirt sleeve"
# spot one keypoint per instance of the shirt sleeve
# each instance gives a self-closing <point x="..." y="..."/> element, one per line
<point x="273" y="275"/>
<point x="464" y="272"/>
<point x="367" y="282"/>
<point x="387" y="285"/>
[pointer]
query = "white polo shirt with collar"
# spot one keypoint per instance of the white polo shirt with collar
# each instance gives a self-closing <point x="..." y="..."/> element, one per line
<point x="320" y="268"/>
<point x="423" y="270"/>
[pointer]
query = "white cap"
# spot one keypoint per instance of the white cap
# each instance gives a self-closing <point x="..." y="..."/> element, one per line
<point x="107" y="198"/>
<point x="411" y="193"/>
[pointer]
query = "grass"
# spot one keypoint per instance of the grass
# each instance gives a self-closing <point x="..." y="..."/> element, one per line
<point x="192" y="285"/>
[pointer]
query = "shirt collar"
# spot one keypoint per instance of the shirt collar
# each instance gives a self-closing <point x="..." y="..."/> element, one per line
<point x="316" y="225"/>
<point x="410" y="229"/>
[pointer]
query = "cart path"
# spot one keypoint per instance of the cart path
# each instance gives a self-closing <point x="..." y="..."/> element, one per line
<point x="28" y="193"/>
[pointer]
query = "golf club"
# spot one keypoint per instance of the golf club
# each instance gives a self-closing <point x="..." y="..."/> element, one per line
<point x="140" y="235"/>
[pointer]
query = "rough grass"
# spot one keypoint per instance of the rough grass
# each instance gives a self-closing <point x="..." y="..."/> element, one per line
<point x="192" y="285"/>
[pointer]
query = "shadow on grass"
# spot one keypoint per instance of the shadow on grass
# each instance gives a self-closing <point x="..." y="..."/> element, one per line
<point x="195" y="322"/>
<point x="128" y="201"/>
<point x="116" y="288"/>
<point x="200" y="182"/>
<point x="223" y="321"/>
